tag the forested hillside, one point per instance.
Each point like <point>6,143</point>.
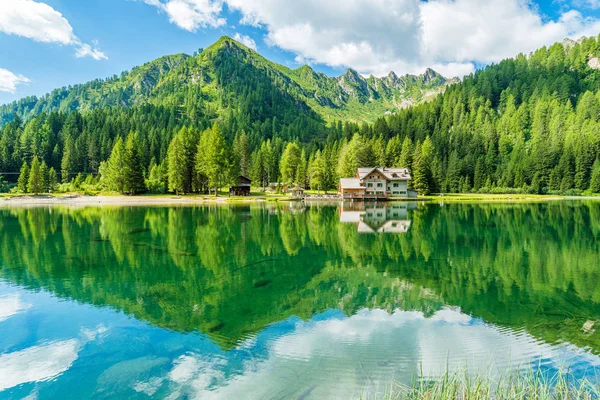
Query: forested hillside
<point>192,124</point>
<point>209,82</point>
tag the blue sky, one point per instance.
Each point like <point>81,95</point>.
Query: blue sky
<point>46,44</point>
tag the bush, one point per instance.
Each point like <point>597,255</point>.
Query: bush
<point>4,185</point>
<point>573,192</point>
<point>501,190</point>
<point>156,186</point>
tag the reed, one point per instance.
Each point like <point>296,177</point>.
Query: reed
<point>517,385</point>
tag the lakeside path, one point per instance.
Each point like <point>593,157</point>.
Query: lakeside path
<point>102,200</point>
<point>173,200</point>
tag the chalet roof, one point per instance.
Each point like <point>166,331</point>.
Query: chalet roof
<point>362,172</point>
<point>350,183</point>
<point>350,216</point>
<point>391,174</point>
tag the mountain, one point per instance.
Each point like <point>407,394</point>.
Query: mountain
<point>182,80</point>
<point>529,124</point>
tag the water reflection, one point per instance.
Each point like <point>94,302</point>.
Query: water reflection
<point>291,301</point>
<point>377,218</point>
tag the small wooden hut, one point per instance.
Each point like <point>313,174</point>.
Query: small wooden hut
<point>242,188</point>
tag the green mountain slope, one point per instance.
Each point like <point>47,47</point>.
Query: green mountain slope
<point>527,124</point>
<point>129,89</point>
<point>200,84</point>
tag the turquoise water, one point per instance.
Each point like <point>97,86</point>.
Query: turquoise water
<point>286,301</point>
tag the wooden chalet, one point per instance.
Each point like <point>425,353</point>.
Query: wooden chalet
<point>242,188</point>
<point>377,184</point>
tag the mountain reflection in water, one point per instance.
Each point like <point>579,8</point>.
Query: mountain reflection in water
<point>291,301</point>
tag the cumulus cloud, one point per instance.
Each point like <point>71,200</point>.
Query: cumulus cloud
<point>11,304</point>
<point>85,50</point>
<point>45,361</point>
<point>363,34</point>
<point>42,23</point>
<point>191,14</point>
<point>8,83</point>
<point>407,36</point>
<point>375,37</point>
<point>587,3</point>
<point>467,30</point>
<point>376,347</point>
<point>37,363</point>
<point>245,40</point>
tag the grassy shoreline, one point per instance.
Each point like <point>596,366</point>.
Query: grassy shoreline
<point>108,198</point>
<point>533,384</point>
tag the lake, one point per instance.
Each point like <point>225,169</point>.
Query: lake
<point>286,301</point>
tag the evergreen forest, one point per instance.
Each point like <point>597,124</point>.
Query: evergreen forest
<point>193,124</point>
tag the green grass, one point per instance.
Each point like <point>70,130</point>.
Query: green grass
<point>462,386</point>
<point>257,194</point>
<point>460,197</point>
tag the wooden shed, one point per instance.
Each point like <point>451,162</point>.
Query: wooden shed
<point>242,188</point>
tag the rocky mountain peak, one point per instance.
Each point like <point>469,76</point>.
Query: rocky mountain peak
<point>430,76</point>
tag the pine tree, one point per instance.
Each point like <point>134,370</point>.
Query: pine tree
<point>45,177</point>
<point>35,183</point>
<point>241,150</point>
<point>317,172</point>
<point>355,154</point>
<point>422,176</point>
<point>452,174</point>
<point>52,180</point>
<point>583,168</point>
<point>113,173</point>
<point>212,158</point>
<point>23,178</point>
<point>406,155</point>
<point>301,173</point>
<point>331,179</point>
<point>258,172</point>
<point>68,160</point>
<point>595,180</point>
<point>177,165</point>
<point>290,160</point>
<point>133,175</point>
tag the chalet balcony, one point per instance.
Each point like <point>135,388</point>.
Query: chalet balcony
<point>368,196</point>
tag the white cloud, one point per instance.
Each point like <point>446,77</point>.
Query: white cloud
<point>406,36</point>
<point>85,50</point>
<point>587,3</point>
<point>37,363</point>
<point>42,23</point>
<point>8,83</point>
<point>45,361</point>
<point>245,40</point>
<point>365,352</point>
<point>467,30</point>
<point>11,304</point>
<point>376,36</point>
<point>362,33</point>
<point>192,14</point>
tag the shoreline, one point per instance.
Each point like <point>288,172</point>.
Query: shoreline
<point>104,200</point>
<point>174,200</point>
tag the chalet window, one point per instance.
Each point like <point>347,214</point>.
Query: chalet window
<point>370,185</point>
<point>380,185</point>
<point>395,185</point>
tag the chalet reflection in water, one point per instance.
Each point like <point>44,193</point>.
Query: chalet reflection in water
<point>377,218</point>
